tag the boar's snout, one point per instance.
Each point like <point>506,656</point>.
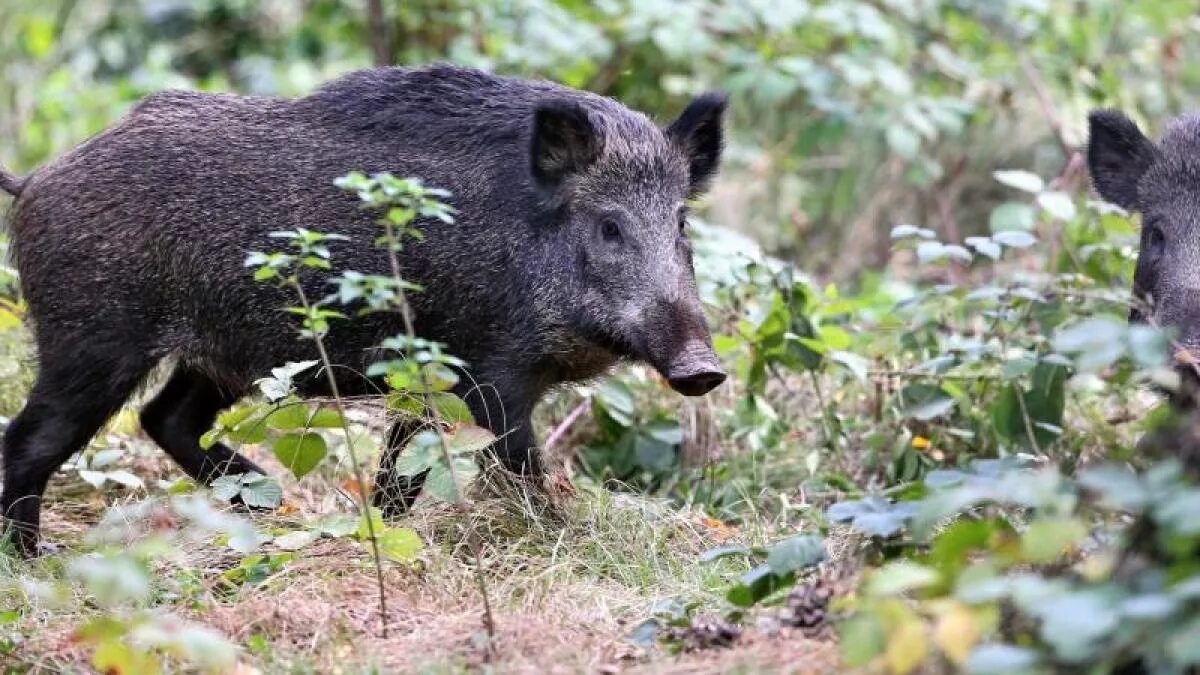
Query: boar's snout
<point>695,377</point>
<point>680,348</point>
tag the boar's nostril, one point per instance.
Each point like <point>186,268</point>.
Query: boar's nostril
<point>698,383</point>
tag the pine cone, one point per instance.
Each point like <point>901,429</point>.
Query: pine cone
<point>704,633</point>
<point>807,605</point>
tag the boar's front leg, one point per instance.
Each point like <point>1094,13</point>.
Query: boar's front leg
<point>507,417</point>
<point>181,413</point>
<point>394,494</point>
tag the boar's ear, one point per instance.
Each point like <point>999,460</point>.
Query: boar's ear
<point>698,134</point>
<point>1118,155</point>
<point>564,141</point>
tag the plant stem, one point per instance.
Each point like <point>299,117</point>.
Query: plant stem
<point>355,465</point>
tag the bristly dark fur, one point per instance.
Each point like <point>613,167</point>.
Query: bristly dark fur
<point>1162,182</point>
<point>131,250</point>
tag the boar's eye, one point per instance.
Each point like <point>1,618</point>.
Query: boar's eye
<point>610,230</point>
<point>1155,243</point>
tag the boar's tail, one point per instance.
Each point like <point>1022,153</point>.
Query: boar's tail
<point>11,183</point>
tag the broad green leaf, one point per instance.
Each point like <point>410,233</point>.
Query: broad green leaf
<point>1047,539</point>
<point>756,585</point>
<point>261,492</point>
<point>862,639</point>
<point>292,415</point>
<point>727,551</point>
<point>899,577</point>
<point>468,440</point>
<point>452,409</point>
<point>925,401</point>
<point>1012,217</point>
<point>1001,659</point>
<point>1014,239</point>
<point>400,544</point>
<point>795,553</point>
<point>294,541</point>
<point>1057,204</point>
<point>1025,181</point>
<point>300,453</point>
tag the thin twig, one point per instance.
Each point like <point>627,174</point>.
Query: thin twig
<point>355,465</point>
<point>561,430</point>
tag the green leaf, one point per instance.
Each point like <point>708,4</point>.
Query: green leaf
<point>756,585</point>
<point>301,452</point>
<point>1001,659</point>
<point>1025,181</point>
<point>400,544</point>
<point>325,418</point>
<point>903,140</point>
<point>795,553</point>
<point>261,492</point>
<point>468,440</point>
<point>1046,539</point>
<point>439,483</point>
<point>225,488</point>
<point>1014,239</point>
<point>1012,217</point>
<point>899,577</point>
<point>452,409</point>
<point>294,541</point>
<point>925,401</point>
<point>292,415</point>
<point>862,639</point>
<point>1057,204</point>
<point>727,551</point>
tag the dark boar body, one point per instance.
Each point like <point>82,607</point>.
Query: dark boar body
<point>569,252</point>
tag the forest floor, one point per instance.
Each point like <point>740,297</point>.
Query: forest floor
<point>567,585</point>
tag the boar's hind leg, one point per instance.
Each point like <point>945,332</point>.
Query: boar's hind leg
<point>71,400</point>
<point>394,494</point>
<point>181,413</point>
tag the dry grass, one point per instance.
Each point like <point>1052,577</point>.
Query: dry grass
<point>568,580</point>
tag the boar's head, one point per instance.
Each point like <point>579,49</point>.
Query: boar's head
<point>1162,182</point>
<point>616,188</point>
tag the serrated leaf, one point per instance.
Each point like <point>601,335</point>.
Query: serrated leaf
<point>262,492</point>
<point>225,488</point>
<point>452,409</point>
<point>469,439</point>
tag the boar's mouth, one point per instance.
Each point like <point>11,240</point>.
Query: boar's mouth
<point>690,368</point>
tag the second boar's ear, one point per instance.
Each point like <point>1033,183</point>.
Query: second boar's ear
<point>698,133</point>
<point>564,141</point>
<point>1118,156</point>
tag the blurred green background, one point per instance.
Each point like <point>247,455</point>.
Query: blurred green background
<point>849,116</point>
